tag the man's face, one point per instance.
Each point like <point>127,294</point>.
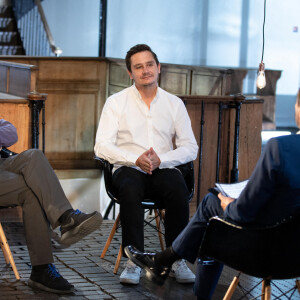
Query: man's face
<point>144,70</point>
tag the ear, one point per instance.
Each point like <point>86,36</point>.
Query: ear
<point>158,68</point>
<point>130,74</point>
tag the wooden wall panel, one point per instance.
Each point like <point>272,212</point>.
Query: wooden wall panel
<point>206,82</point>
<point>19,115</point>
<point>19,82</point>
<point>175,80</point>
<point>77,89</point>
<point>249,141</point>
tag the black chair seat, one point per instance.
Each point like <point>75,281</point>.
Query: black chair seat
<point>271,252</point>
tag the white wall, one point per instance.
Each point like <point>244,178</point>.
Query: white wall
<point>175,30</point>
<point>74,25</point>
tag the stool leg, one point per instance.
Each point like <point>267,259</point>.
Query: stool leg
<point>298,285</point>
<point>8,255</point>
<point>111,235</point>
<point>119,257</point>
<point>159,230</point>
<point>232,287</point>
<point>4,252</point>
<point>267,289</point>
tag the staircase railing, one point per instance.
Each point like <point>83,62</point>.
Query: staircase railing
<point>34,29</point>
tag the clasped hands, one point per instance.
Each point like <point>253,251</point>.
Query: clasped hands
<point>148,161</point>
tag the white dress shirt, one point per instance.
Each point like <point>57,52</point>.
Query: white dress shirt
<point>128,128</point>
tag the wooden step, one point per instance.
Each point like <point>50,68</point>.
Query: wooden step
<point>8,38</point>
<point>11,50</point>
<point>6,12</point>
<point>7,24</point>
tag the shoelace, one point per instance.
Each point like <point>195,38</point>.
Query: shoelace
<point>131,267</point>
<point>76,212</point>
<point>180,266</point>
<point>52,271</point>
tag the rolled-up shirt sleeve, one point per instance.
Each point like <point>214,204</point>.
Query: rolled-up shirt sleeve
<point>8,134</point>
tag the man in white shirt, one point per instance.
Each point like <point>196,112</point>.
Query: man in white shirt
<point>135,133</point>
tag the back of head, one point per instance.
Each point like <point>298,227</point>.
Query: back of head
<point>136,49</point>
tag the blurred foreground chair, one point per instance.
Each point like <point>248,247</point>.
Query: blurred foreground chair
<point>7,213</point>
<point>149,204</point>
<point>269,253</point>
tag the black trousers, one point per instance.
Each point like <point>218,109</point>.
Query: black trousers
<point>164,185</point>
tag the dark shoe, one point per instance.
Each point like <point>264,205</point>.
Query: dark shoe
<point>50,280</point>
<point>146,260</point>
<point>79,225</point>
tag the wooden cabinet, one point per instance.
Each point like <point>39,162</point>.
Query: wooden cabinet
<point>227,150</point>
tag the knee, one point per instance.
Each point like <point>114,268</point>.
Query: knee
<point>33,154</point>
<point>211,206</point>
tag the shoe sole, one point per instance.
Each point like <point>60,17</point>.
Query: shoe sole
<point>85,228</point>
<point>37,285</point>
<point>148,273</point>
<point>129,281</point>
<point>190,280</point>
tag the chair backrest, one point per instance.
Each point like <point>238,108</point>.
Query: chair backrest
<point>187,171</point>
<point>261,252</point>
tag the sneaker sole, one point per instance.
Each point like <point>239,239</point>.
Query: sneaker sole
<point>37,285</point>
<point>149,273</point>
<point>129,281</point>
<point>186,280</point>
<point>85,228</point>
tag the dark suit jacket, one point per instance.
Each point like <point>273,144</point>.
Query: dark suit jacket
<point>273,191</point>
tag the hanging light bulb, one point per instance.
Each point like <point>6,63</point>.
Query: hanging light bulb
<point>261,78</point>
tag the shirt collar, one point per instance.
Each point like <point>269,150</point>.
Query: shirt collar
<point>137,93</point>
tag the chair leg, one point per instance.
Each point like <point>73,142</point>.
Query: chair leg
<point>111,235</point>
<point>4,252</point>
<point>119,257</point>
<point>7,253</point>
<point>161,240</point>
<point>232,287</point>
<point>298,285</point>
<point>266,289</point>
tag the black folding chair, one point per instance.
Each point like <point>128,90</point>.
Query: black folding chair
<point>269,253</point>
<point>148,204</point>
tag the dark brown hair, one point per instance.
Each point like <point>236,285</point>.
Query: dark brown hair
<point>136,49</point>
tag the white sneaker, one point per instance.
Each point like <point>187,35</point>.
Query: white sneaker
<point>181,272</point>
<point>131,273</point>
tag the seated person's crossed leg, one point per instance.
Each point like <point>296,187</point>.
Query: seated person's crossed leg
<point>28,180</point>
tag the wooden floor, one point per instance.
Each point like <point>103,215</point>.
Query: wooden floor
<point>93,277</point>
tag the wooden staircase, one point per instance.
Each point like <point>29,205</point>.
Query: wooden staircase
<point>10,41</point>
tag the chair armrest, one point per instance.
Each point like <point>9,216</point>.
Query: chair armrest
<point>6,152</point>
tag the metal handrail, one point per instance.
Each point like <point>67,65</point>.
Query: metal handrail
<point>56,50</point>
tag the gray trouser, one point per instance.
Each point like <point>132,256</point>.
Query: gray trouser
<point>28,180</point>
